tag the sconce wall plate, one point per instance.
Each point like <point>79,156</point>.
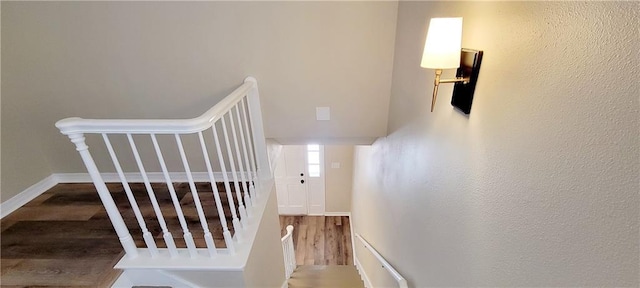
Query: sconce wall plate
<point>470,61</point>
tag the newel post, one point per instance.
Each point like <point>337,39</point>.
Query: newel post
<point>260,144</point>
<point>112,211</point>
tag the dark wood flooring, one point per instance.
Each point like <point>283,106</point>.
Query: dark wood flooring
<point>320,240</point>
<point>61,238</point>
<point>64,237</point>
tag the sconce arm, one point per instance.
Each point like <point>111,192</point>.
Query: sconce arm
<point>464,80</point>
<point>437,81</point>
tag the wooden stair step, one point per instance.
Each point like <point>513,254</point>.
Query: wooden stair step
<point>325,276</point>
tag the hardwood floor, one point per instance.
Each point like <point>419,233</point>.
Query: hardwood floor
<point>59,239</point>
<point>64,237</point>
<point>320,240</point>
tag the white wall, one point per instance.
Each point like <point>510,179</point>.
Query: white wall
<point>176,59</point>
<point>539,185</point>
<point>265,267</point>
<point>338,180</point>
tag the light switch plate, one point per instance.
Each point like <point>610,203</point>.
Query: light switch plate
<point>335,165</point>
<point>323,113</point>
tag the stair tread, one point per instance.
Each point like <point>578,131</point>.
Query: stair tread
<point>325,276</point>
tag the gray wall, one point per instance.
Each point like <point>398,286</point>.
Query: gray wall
<point>539,185</point>
<point>338,180</point>
<point>176,59</point>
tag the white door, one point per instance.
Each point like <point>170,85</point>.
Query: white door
<point>299,178</point>
<point>291,181</point>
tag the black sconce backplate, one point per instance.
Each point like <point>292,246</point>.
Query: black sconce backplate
<point>470,61</point>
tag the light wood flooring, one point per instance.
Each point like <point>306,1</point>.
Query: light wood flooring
<point>320,240</point>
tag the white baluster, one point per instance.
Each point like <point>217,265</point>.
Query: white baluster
<point>166,235</point>
<point>112,210</point>
<point>247,198</point>
<point>254,170</point>
<point>188,238</point>
<point>234,173</point>
<point>146,235</point>
<point>211,246</point>
<point>292,253</point>
<point>289,253</point>
<point>216,195</point>
<point>237,227</point>
<point>249,192</point>
<point>285,248</point>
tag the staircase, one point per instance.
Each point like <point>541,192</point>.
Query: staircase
<point>192,198</point>
<point>330,276</point>
<point>325,276</point>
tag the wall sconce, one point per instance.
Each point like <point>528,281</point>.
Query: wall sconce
<point>442,50</point>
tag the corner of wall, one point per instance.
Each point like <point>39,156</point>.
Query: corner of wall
<point>265,265</point>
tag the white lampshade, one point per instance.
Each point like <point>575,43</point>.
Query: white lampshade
<point>444,41</point>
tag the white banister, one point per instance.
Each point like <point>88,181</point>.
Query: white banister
<point>188,238</point>
<point>112,210</point>
<point>211,246</point>
<point>146,235</point>
<point>245,190</point>
<point>402,283</point>
<point>216,196</point>
<point>157,126</point>
<point>166,234</point>
<point>234,174</point>
<point>253,174</point>
<point>244,160</point>
<point>237,227</point>
<point>289,252</point>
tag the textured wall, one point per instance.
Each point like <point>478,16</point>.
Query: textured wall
<point>539,185</point>
<point>176,59</point>
<point>338,180</point>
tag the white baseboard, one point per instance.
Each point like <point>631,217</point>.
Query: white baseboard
<point>27,195</point>
<point>363,274</point>
<point>338,214</point>
<point>149,277</point>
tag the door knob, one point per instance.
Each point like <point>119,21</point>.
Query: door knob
<point>301,181</point>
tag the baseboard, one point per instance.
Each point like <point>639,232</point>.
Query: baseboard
<point>285,284</point>
<point>150,278</point>
<point>353,238</point>
<point>363,274</point>
<point>153,177</point>
<point>27,195</point>
<point>338,214</point>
